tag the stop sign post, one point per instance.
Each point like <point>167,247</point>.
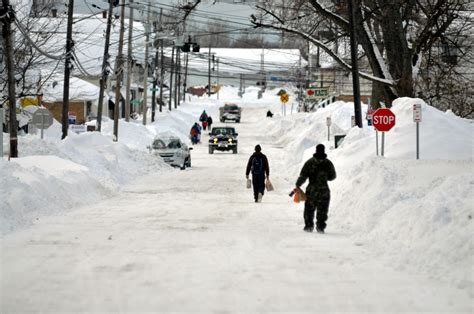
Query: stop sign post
<point>383,121</point>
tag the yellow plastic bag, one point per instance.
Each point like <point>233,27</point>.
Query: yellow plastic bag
<point>299,196</point>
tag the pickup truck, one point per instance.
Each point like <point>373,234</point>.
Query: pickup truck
<point>230,112</point>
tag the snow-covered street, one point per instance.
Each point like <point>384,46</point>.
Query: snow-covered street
<point>194,241</point>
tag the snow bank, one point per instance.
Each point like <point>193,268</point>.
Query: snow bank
<point>53,176</point>
<point>415,214</point>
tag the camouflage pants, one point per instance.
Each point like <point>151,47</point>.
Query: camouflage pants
<point>321,207</point>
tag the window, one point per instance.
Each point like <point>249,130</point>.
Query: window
<point>158,144</point>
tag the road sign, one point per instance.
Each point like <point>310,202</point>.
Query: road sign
<point>71,117</point>
<point>417,113</point>
<point>78,128</point>
<point>383,119</point>
<point>328,121</point>
<point>284,98</point>
<point>42,118</point>
<point>317,92</point>
<point>136,102</point>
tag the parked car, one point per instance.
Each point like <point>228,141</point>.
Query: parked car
<point>172,150</point>
<point>223,139</point>
<point>230,112</point>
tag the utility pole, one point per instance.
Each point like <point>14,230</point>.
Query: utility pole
<point>155,79</point>
<point>67,69</point>
<point>6,20</point>
<point>119,70</point>
<point>145,81</point>
<point>171,77</point>
<point>185,75</point>
<point>178,78</point>
<point>162,74</point>
<point>105,62</point>
<point>218,88</point>
<point>355,68</point>
<point>209,74</point>
<point>129,64</point>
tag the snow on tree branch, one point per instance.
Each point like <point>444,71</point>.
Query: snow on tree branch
<point>319,43</point>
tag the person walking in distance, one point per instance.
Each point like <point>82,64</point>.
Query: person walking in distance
<point>209,122</point>
<point>203,119</point>
<point>319,170</point>
<point>258,165</point>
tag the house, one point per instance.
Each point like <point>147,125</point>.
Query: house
<point>83,99</point>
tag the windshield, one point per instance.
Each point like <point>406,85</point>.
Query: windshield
<point>231,107</point>
<point>166,143</point>
<point>222,131</point>
<point>173,144</point>
<point>158,144</point>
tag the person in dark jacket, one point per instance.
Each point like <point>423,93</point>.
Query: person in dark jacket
<point>203,119</point>
<point>209,122</point>
<point>319,170</point>
<point>258,165</point>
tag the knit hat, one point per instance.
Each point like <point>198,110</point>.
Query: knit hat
<point>258,148</point>
<point>320,154</point>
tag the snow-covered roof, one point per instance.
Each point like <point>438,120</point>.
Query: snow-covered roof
<point>78,90</point>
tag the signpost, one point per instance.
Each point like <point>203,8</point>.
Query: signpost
<point>417,120</point>
<point>328,123</point>
<point>42,119</point>
<point>383,121</point>
<point>284,98</point>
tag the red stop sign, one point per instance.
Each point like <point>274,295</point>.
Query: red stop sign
<point>383,119</point>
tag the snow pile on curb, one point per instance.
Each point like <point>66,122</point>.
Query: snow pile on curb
<point>53,176</point>
<point>416,215</point>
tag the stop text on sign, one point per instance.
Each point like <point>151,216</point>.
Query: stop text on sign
<point>383,119</point>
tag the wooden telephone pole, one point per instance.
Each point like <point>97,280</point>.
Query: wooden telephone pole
<point>129,64</point>
<point>119,70</point>
<point>105,62</point>
<point>67,70</point>
<point>6,20</point>
<point>145,79</point>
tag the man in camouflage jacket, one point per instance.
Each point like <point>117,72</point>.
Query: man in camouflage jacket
<point>319,170</point>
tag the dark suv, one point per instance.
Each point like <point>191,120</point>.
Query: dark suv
<point>223,139</point>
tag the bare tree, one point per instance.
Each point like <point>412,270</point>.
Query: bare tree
<point>35,43</point>
<point>394,34</point>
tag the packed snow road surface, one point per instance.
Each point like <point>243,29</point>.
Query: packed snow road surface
<point>194,241</point>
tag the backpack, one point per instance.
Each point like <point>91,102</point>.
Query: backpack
<point>258,165</point>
